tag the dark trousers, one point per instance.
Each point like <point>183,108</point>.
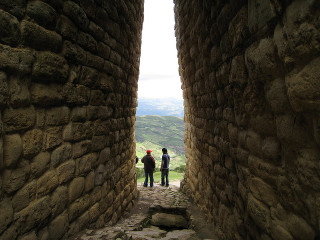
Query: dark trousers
<point>150,174</point>
<point>165,175</point>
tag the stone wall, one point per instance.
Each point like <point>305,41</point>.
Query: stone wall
<point>251,85</point>
<point>68,94</point>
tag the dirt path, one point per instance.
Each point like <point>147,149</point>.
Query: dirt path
<point>159,213</point>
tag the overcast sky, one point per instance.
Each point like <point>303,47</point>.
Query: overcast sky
<point>159,77</point>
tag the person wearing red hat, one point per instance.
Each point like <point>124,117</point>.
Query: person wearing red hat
<point>149,165</point>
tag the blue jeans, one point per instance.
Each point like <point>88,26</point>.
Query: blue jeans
<point>165,174</point>
<point>146,180</point>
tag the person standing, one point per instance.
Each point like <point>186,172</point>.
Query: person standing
<point>165,167</point>
<point>149,165</point>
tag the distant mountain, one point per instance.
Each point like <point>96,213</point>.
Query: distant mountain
<point>160,132</point>
<point>160,107</point>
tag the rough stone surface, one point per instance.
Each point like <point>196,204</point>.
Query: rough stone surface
<point>257,61</point>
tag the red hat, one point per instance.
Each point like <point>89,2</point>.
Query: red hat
<point>149,151</point>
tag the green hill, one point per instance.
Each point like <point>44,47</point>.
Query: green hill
<point>157,132</point>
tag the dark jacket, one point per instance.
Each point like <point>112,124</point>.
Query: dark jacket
<point>165,161</point>
<point>149,163</point>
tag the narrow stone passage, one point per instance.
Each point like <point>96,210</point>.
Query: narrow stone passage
<point>159,213</point>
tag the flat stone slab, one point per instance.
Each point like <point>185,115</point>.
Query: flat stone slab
<point>169,220</point>
<point>185,234</point>
<point>146,234</point>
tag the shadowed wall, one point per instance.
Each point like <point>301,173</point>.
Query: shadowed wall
<point>68,89</point>
<point>250,75</point>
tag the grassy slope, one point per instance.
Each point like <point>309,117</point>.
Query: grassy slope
<point>156,132</point>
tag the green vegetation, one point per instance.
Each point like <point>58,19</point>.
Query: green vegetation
<point>155,133</point>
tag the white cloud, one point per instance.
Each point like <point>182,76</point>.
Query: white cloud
<point>159,76</point>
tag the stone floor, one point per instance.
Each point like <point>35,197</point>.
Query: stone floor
<point>154,205</point>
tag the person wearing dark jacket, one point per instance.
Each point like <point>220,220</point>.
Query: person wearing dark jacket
<point>165,167</point>
<point>149,165</point>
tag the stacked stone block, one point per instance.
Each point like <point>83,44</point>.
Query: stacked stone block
<point>68,94</point>
<point>250,77</point>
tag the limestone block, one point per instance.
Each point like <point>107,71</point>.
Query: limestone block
<point>104,112</point>
<point>278,232</point>
<point>46,94</point>
<point>264,124</point>
<point>52,137</point>
<point>14,179</point>
<point>254,143</point>
<point>98,143</point>
<point>271,148</point>
<point>84,220</point>
<point>61,154</point>
<point>263,192</point>
<point>97,98</point>
<point>102,127</point>
<point>11,232</point>
<point>302,35</point>
<point>76,94</point>
<point>276,94</point>
<point>19,92</point>
<point>42,13</point>
<point>304,88</point>
<point>87,42</point>
<point>268,172</point>
<point>40,163</point>
<point>40,38</point>
<point>260,14</point>
<point>238,71</point>
<point>299,228</point>
<point>76,188</point>
<point>95,195</point>
<point>47,183</point>
<point>16,8</point>
<point>100,174</point>
<point>238,28</point>
<point>19,60</point>
<point>76,14</point>
<point>259,213</point>
<point>78,207</point>
<point>58,227</point>
<point>32,143</point>
<point>6,216</point>
<point>307,167</point>
<point>73,52</point>
<point>78,114</point>
<point>94,213</point>
<point>103,50</point>
<point>66,171</point>
<point>24,196</point>
<point>260,60</point>
<point>18,119</point>
<point>4,91</point>
<point>10,33</point>
<point>12,149</point>
<point>77,131</point>
<point>89,182</point>
<point>50,67</point>
<point>30,236</point>
<point>67,28</point>
<point>43,234</point>
<point>57,116</point>
<point>84,164</point>
<point>106,82</point>
<point>34,215</point>
<point>81,148</point>
<point>291,130</point>
<point>316,128</point>
<point>59,200</point>
<point>96,31</point>
<point>88,76</point>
